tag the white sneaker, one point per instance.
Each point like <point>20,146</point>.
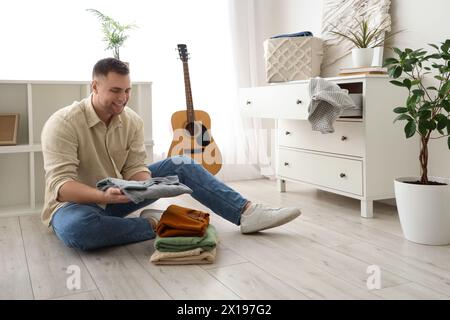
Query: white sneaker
<point>152,215</point>
<point>259,217</point>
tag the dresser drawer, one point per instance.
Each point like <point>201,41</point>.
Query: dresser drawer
<point>288,101</point>
<point>347,139</point>
<point>322,170</point>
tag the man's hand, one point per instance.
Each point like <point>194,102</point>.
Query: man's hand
<point>115,195</point>
<point>74,191</point>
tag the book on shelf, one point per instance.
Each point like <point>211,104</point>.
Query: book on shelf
<point>362,71</point>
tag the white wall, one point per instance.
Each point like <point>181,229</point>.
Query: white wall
<point>274,17</point>
<point>423,21</point>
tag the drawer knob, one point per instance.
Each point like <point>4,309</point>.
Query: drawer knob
<point>288,133</point>
<point>342,175</point>
<point>299,101</point>
<point>343,138</point>
<point>248,102</point>
<point>286,164</point>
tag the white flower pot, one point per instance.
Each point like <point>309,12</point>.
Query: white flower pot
<point>377,60</point>
<point>424,210</point>
<point>362,57</point>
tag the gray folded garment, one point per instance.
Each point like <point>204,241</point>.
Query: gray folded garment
<point>153,188</point>
<point>328,101</point>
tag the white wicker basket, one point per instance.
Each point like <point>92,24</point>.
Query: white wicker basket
<point>293,58</point>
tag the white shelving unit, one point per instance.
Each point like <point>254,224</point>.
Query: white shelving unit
<point>21,166</point>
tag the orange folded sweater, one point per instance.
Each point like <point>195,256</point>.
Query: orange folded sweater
<point>178,221</point>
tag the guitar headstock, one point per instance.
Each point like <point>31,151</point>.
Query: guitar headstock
<point>182,50</point>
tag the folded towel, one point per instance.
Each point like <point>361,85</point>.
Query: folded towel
<point>176,244</point>
<point>153,188</point>
<point>328,101</point>
<point>179,221</point>
<point>194,256</point>
<point>291,35</point>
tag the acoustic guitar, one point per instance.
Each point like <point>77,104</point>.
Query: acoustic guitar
<point>192,128</point>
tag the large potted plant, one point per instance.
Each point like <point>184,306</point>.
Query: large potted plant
<point>365,38</point>
<point>113,31</point>
<point>423,202</point>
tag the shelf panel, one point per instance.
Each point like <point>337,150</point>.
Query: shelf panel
<point>14,173</point>
<point>13,99</point>
<point>19,210</point>
<point>39,178</point>
<point>20,148</point>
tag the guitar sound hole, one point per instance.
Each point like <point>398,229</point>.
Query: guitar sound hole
<point>198,131</point>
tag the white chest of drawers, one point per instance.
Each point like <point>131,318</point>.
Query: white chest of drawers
<point>359,160</point>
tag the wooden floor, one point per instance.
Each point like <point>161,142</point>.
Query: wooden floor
<point>324,254</point>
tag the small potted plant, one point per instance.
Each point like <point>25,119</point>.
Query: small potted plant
<point>365,38</point>
<point>113,31</point>
<point>423,202</point>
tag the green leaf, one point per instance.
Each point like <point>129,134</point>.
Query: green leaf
<point>425,106</point>
<point>424,114</point>
<point>397,51</point>
<point>434,46</point>
<point>389,61</point>
<point>421,53</point>
<point>414,82</point>
<point>433,56</point>
<point>412,101</point>
<point>445,89</point>
<point>408,67</point>
<point>412,61</point>
<point>441,121</point>
<point>422,127</point>
<point>403,117</point>
<point>407,83</point>
<point>400,110</point>
<point>398,71</point>
<point>448,142</point>
<point>410,129</point>
<point>391,70</point>
<point>446,105</point>
<point>397,83</point>
<point>418,92</point>
<point>431,125</point>
<point>432,88</point>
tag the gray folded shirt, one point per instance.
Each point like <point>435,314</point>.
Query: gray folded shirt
<point>328,101</point>
<point>153,188</point>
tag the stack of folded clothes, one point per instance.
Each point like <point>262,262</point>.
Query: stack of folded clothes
<point>184,236</point>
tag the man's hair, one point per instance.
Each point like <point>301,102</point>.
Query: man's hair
<point>104,66</point>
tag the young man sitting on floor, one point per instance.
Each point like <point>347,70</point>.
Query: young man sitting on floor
<point>100,137</point>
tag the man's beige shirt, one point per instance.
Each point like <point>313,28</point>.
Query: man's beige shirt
<point>77,146</point>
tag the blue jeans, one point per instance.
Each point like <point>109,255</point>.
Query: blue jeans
<point>88,226</point>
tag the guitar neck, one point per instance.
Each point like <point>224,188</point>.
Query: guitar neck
<point>187,88</point>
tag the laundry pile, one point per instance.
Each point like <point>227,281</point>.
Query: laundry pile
<point>184,236</point>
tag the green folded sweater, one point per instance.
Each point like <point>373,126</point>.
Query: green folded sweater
<point>175,244</point>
